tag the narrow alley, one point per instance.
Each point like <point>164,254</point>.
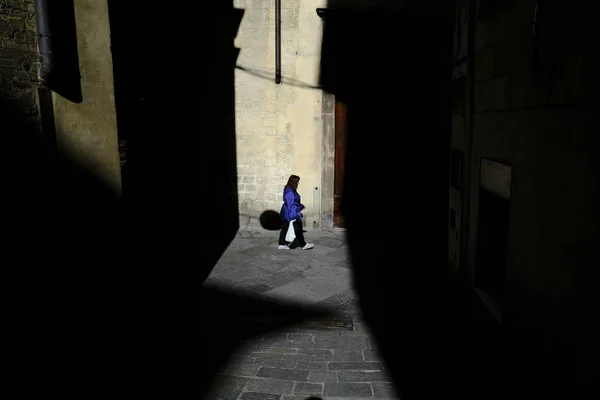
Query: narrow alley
<point>332,358</point>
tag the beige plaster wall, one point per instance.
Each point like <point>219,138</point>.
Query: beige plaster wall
<point>278,126</point>
<point>87,132</point>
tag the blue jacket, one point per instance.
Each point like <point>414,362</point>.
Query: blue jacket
<point>291,205</point>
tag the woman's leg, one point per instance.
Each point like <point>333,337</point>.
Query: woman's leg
<point>299,234</point>
<point>284,228</point>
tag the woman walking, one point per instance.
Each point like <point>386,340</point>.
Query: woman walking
<point>291,211</point>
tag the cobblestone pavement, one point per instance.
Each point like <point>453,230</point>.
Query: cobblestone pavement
<point>334,360</point>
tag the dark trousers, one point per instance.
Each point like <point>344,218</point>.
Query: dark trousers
<point>297,229</point>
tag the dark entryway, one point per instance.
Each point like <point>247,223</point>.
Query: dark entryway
<point>492,242</point>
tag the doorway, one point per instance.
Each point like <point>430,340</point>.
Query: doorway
<point>341,127</point>
<point>492,234</point>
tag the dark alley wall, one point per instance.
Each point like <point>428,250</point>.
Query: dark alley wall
<point>18,65</point>
<point>174,96</point>
<point>534,99</point>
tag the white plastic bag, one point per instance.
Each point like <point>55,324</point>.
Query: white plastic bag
<point>290,236</point>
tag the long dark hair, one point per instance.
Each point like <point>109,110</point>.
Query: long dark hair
<point>292,182</point>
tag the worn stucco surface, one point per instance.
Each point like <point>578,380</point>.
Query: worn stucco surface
<point>87,132</point>
<point>279,127</point>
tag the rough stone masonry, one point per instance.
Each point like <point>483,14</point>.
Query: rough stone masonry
<point>18,61</point>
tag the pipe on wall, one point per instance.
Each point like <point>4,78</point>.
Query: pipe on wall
<point>44,34</point>
<point>278,41</point>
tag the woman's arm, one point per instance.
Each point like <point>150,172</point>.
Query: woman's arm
<point>293,211</point>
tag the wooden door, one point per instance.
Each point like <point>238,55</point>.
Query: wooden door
<point>340,152</point>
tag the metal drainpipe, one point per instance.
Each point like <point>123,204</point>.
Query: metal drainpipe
<point>278,41</point>
<point>44,39</point>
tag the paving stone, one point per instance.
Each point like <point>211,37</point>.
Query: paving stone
<point>283,373</point>
<point>314,352</point>
<point>275,341</point>
<point>341,357</point>
<point>272,363</point>
<point>238,273</point>
<point>315,366</point>
<point>259,396</point>
<point>383,389</point>
<point>315,389</point>
<point>343,264</point>
<point>260,288</point>
<point>310,290</point>
<point>348,390</point>
<point>256,251</point>
<point>283,350</point>
<point>341,253</point>
<point>328,241</point>
<point>265,264</point>
<point>273,386</point>
<point>300,336</point>
<point>307,343</point>
<point>321,332</point>
<point>350,306</point>
<point>360,376</point>
<point>318,264</point>
<point>220,280</point>
<point>224,394</point>
<point>247,283</point>
<point>323,250</point>
<point>300,357</point>
<point>352,333</point>
<point>231,383</point>
<point>348,343</point>
<point>372,355</point>
<point>282,278</point>
<point>325,258</point>
<point>300,266</point>
<point>265,356</point>
<point>355,366</point>
<point>278,256</point>
<point>324,377</point>
<point>277,364</point>
<point>341,298</point>
<point>242,370</point>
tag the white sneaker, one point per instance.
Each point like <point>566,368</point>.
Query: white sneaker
<point>283,247</point>
<point>308,246</point>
